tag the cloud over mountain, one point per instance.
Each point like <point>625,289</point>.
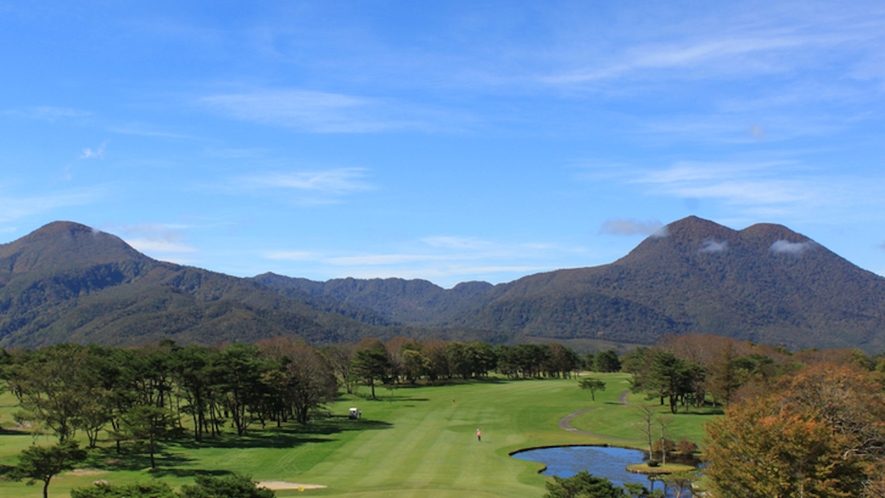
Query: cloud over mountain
<point>630,226</point>
<point>795,248</point>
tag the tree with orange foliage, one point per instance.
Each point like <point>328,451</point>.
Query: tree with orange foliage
<point>818,433</point>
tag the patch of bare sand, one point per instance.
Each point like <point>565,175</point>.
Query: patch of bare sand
<point>86,472</point>
<point>281,485</point>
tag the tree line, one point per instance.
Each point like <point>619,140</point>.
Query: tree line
<point>142,393</point>
<point>402,360</point>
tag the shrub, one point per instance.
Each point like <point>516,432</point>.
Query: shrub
<point>668,445</point>
<point>686,448</point>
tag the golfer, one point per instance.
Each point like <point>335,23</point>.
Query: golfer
<point>479,435</point>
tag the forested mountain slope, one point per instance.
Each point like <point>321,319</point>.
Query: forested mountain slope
<point>767,284</point>
<point>415,302</point>
<point>764,283</point>
<point>69,283</point>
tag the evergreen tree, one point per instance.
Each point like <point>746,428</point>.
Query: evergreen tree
<point>42,463</point>
<point>234,486</point>
<point>371,363</point>
<point>583,485</point>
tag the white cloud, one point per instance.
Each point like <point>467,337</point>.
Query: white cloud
<point>143,130</point>
<point>456,242</point>
<point>320,112</point>
<point>735,183</point>
<point>290,255</point>
<point>154,238</point>
<point>94,154</point>
<point>444,259</point>
<point>719,53</point>
<point>381,259</point>
<point>712,245</point>
<point>622,226</point>
<point>49,113</point>
<point>161,246</point>
<point>336,181</point>
<point>794,248</point>
<point>13,208</point>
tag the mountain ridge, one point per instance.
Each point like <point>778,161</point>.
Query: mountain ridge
<point>764,283</point>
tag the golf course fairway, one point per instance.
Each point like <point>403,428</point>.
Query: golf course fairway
<point>411,442</point>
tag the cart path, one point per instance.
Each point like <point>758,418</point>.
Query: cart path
<point>564,423</point>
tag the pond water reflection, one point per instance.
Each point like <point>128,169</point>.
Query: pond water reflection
<point>601,461</point>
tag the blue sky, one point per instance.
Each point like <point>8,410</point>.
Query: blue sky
<point>450,141</point>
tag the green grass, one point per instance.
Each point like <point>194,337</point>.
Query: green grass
<point>413,442</point>
<point>626,422</point>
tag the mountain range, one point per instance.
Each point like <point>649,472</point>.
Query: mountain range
<point>66,282</point>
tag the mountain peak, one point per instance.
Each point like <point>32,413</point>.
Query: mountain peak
<point>772,232</point>
<point>63,244</point>
<point>692,227</point>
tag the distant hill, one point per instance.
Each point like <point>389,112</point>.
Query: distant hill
<point>67,282</point>
<point>398,301</point>
<point>766,283</point>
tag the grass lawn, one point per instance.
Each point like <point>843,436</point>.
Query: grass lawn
<point>413,442</point>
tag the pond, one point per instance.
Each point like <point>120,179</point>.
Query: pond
<point>601,461</point>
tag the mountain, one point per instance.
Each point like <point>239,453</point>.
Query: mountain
<point>395,300</point>
<point>764,283</point>
<point>66,282</point>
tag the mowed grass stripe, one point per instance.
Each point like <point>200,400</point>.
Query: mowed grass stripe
<point>398,451</point>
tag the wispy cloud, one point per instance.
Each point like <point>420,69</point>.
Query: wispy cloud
<point>153,238</point>
<point>721,52</point>
<point>98,153</point>
<point>470,243</point>
<point>442,258</point>
<point>14,208</point>
<point>336,181</point>
<point>736,42</point>
<point>290,255</point>
<point>145,130</point>
<point>317,112</point>
<point>159,246</point>
<point>382,259</point>
<point>49,113</point>
<point>630,226</point>
<point>754,184</point>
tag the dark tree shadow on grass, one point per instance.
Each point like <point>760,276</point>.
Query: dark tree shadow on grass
<point>168,462</point>
<point>703,411</point>
<point>287,437</point>
<point>12,432</point>
<point>131,458</point>
<point>175,472</point>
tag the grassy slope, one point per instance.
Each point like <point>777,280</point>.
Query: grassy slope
<point>414,442</point>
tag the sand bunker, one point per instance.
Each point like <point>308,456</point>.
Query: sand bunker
<point>281,485</point>
<point>86,472</point>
